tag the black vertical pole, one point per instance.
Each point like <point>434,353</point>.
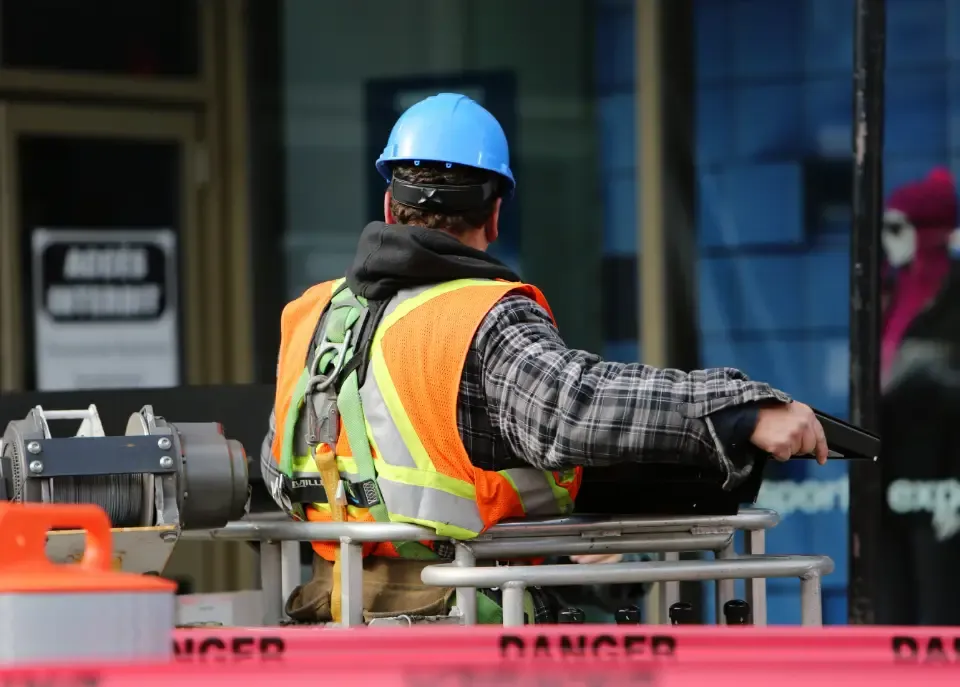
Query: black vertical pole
<point>865,487</point>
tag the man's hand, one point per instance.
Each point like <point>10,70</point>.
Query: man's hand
<point>598,558</point>
<point>789,429</point>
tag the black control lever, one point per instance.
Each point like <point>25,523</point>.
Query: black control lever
<point>845,441</point>
<point>737,612</point>
<point>681,613</point>
<point>571,616</point>
<point>628,616</point>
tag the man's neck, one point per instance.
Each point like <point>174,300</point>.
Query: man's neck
<point>474,239</point>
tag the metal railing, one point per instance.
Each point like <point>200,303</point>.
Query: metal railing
<point>280,559</point>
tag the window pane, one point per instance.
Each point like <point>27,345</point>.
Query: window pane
<point>532,69</point>
<point>772,152</point>
<point>144,38</point>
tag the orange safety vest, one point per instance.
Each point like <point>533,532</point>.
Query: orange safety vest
<point>409,407</point>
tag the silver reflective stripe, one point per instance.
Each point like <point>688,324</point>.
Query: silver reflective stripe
<point>410,501</point>
<point>385,433</point>
<point>384,429</point>
<point>425,503</point>
<point>534,490</point>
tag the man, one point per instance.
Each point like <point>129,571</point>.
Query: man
<point>431,386</point>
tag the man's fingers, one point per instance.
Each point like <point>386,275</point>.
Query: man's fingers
<point>808,442</point>
<point>822,449</point>
<point>796,443</point>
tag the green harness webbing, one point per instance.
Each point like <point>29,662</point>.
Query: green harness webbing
<point>335,350</point>
<point>345,312</point>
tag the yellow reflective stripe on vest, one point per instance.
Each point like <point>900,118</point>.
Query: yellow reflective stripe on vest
<point>384,410</point>
<point>408,305</point>
<point>346,465</point>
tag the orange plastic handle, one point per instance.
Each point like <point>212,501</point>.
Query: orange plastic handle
<point>24,528</point>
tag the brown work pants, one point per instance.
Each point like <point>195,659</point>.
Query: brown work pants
<point>391,587</point>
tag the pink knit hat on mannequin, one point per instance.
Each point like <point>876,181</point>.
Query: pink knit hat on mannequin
<point>917,224</point>
<point>928,203</point>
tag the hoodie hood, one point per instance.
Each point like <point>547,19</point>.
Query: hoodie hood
<point>392,257</point>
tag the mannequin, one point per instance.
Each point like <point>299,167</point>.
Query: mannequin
<point>920,408</point>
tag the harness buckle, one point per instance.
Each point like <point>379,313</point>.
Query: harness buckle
<point>325,380</point>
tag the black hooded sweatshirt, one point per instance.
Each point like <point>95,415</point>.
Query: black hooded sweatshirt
<point>392,257</point>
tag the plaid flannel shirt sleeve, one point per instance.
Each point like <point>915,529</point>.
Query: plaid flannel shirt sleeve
<point>557,407</point>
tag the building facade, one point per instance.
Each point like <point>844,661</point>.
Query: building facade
<point>683,183</point>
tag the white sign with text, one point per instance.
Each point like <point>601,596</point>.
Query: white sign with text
<point>105,308</point>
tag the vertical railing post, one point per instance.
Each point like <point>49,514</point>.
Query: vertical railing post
<point>865,305</point>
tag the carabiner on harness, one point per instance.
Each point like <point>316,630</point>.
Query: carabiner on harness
<point>322,381</point>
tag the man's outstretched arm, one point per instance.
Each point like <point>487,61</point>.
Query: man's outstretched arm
<point>558,407</point>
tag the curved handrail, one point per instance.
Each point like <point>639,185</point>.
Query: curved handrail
<point>656,542</point>
<point>748,519</point>
<point>452,575</point>
<point>273,529</point>
<point>246,530</point>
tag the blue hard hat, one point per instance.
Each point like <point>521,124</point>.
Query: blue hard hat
<point>450,128</point>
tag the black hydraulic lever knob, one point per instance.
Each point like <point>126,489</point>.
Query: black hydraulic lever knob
<point>628,616</point>
<point>681,613</point>
<point>737,612</point>
<point>572,616</point>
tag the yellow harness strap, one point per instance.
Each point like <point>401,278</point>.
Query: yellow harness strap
<point>325,459</point>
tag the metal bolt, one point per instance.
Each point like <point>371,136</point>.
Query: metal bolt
<point>33,447</point>
<point>164,443</point>
<point>166,462</point>
<point>169,536</point>
<point>36,467</point>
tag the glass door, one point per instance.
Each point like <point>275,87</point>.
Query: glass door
<point>99,248</point>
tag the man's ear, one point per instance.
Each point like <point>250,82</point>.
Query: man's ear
<point>387,214</point>
<point>491,229</point>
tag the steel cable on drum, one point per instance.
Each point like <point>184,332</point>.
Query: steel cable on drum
<point>121,496</point>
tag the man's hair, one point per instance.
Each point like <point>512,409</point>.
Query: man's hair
<point>437,173</point>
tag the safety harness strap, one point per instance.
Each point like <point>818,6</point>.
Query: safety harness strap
<point>343,337</point>
<point>351,412</point>
<point>308,488</point>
